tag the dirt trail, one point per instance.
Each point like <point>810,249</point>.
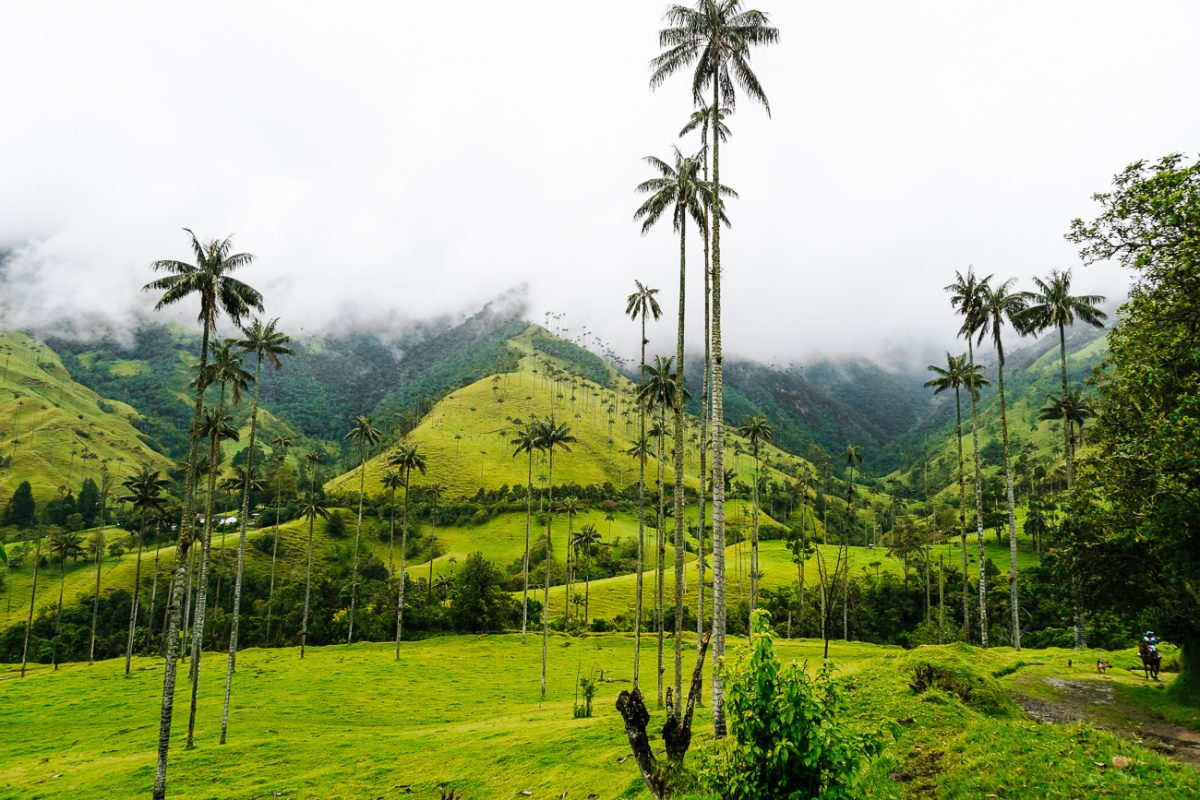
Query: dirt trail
<point>1093,702</point>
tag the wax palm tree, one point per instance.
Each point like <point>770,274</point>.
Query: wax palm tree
<point>586,540</point>
<point>145,492</point>
<point>1002,305</point>
<point>366,437</point>
<point>714,40</point>
<point>97,544</point>
<point>406,458</point>
<point>966,297</point>
<point>279,447</point>
<point>660,389</point>
<point>63,544</point>
<point>1073,410</point>
<point>268,343</point>
<point>211,281</point>
<point>526,442</point>
<point>312,506</point>
<point>37,560</point>
<point>956,375</point>
<point>759,432</point>
<point>550,435</point>
<point>680,191</point>
<point>392,480</point>
<point>433,493</point>
<point>570,507</point>
<point>704,119</point>
<point>638,306</point>
<point>853,458</point>
<point>1053,306</point>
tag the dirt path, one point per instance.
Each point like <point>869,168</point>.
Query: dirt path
<point>1093,702</point>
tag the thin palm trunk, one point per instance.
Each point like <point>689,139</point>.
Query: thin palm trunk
<point>403,564</point>
<point>525,563</point>
<point>754,548</point>
<point>704,415</point>
<point>660,542</point>
<point>241,553</point>
<point>680,445</point>
<point>1012,508</point>
<point>202,590</point>
<point>37,557</point>
<point>983,621</point>
<point>177,583</point>
<point>62,584</point>
<point>546,588</point>
<point>638,600</point>
<point>432,550</point>
<point>1080,623</point>
<point>137,582</point>
<point>962,513</point>
<point>154,581</point>
<point>274,556</point>
<point>312,488</point>
<point>362,477</point>
<point>96,593</point>
<point>718,435</point>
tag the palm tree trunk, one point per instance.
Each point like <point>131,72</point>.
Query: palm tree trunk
<point>137,582</point>
<point>432,550</point>
<point>962,513</point>
<point>660,541</point>
<point>704,415</point>
<point>274,552</point>
<point>154,581</point>
<point>754,549</point>
<point>362,477</point>
<point>403,564</point>
<point>1012,508</point>
<point>1080,623</point>
<point>307,587</point>
<point>983,621</point>
<point>718,434</point>
<point>95,600</point>
<point>546,588</point>
<point>680,446</point>
<point>525,562</point>
<point>177,585</point>
<point>37,557</point>
<point>62,584</point>
<point>638,600</point>
<point>241,553</point>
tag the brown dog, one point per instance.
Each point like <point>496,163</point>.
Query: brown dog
<point>1102,665</point>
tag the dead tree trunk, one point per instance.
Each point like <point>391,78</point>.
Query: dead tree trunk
<point>677,733</point>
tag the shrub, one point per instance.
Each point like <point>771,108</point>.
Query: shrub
<point>791,736</point>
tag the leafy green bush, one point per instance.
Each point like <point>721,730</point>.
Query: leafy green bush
<point>790,733</point>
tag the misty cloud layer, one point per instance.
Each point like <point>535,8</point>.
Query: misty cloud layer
<point>392,162</point>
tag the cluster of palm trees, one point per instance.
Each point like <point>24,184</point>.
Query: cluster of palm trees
<point>711,39</point>
<point>987,306</point>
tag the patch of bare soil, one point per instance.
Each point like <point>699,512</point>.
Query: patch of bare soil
<point>1094,703</point>
<point>919,773</point>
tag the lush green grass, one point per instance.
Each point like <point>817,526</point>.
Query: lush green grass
<point>350,722</point>
<point>57,430</point>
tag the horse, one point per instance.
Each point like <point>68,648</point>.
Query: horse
<point>1150,659</point>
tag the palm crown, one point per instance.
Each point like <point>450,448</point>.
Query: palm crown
<point>1053,305</point>
<point>957,374</point>
<point>210,279</point>
<point>262,339</point>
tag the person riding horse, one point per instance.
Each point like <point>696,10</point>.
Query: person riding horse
<point>1148,651</point>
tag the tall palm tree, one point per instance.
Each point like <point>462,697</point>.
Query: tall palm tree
<point>586,540</point>
<point>392,480</point>
<point>660,389</point>
<point>966,297</point>
<point>37,560</point>
<point>366,437</point>
<point>433,493</point>
<point>853,457</point>
<point>265,342</point>
<point>679,190</point>
<point>956,375</point>
<point>1053,306</point>
<point>570,506</point>
<point>704,118</point>
<point>550,435</point>
<point>145,490</point>
<point>312,506</point>
<point>639,305</point>
<point>406,458</point>
<point>1002,305</point>
<point>759,432</point>
<point>714,38</point>
<point>218,291</point>
<point>526,442</point>
<point>279,447</point>
<point>1073,410</point>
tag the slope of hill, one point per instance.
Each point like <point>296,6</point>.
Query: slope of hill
<point>54,431</point>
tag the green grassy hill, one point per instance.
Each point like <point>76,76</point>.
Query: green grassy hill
<point>57,431</point>
<point>352,722</point>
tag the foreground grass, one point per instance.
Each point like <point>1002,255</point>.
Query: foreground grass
<point>465,712</point>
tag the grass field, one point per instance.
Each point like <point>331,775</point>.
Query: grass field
<point>465,712</point>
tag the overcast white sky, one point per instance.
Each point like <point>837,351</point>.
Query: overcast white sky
<point>387,161</point>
